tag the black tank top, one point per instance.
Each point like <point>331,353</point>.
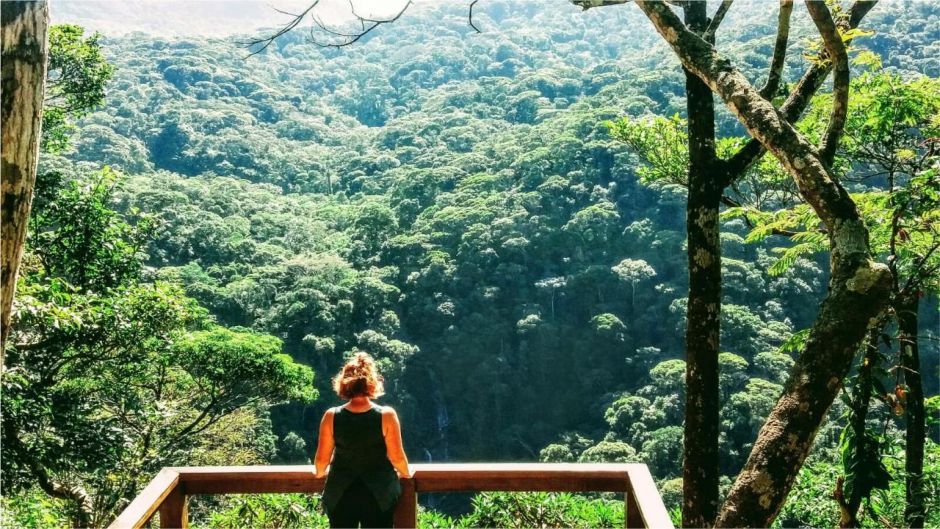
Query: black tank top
<point>359,453</point>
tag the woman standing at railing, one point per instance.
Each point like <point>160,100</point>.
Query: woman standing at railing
<point>363,440</point>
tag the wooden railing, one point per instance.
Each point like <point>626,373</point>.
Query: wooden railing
<point>170,490</point>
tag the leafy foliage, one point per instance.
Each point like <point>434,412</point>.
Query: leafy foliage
<point>76,80</point>
<point>111,377</point>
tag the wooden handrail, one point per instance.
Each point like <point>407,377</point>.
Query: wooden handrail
<point>139,511</point>
<point>170,489</point>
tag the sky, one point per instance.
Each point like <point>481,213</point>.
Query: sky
<point>213,18</point>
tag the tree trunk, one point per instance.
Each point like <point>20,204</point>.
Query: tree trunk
<point>24,52</point>
<point>858,287</point>
<point>700,470</point>
<point>848,507</point>
<point>906,310</point>
<point>80,502</point>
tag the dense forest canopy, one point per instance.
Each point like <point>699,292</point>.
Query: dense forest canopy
<point>474,210</point>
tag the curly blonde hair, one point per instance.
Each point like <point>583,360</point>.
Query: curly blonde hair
<point>359,377</point>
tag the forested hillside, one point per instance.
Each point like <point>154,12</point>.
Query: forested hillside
<point>456,205</point>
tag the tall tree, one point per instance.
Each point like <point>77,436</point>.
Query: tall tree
<point>892,132</point>
<point>890,138</point>
<point>708,178</point>
<point>858,287</point>
<point>24,52</point>
<point>109,377</point>
<point>861,457</point>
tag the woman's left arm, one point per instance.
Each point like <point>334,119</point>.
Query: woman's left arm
<point>325,444</point>
<point>391,428</point>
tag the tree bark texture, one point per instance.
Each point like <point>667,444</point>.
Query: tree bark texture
<point>849,506</point>
<point>858,287</point>
<point>906,310</point>
<point>24,54</point>
<point>700,469</point>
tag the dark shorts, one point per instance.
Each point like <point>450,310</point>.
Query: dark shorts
<point>358,508</point>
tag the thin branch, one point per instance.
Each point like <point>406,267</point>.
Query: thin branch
<point>588,4</point>
<point>730,202</point>
<point>336,33</point>
<point>352,38</point>
<point>192,425</point>
<point>367,25</point>
<point>797,101</point>
<point>288,13</point>
<point>915,277</point>
<point>840,78</point>
<point>266,41</point>
<point>362,19</point>
<point>470,16</point>
<point>772,86</point>
<point>709,35</point>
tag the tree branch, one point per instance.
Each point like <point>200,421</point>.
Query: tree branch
<point>83,502</point>
<point>266,41</point>
<point>588,4</point>
<point>709,34</point>
<point>797,101</point>
<point>470,16</point>
<point>772,86</point>
<point>835,48</point>
<point>917,274</point>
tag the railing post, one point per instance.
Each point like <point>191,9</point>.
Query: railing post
<point>632,519</point>
<point>406,513</point>
<point>174,511</point>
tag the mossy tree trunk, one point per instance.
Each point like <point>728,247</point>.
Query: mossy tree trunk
<point>700,469</point>
<point>906,309</point>
<point>24,53</point>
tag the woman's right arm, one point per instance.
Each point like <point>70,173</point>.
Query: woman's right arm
<point>393,444</point>
<point>325,445</point>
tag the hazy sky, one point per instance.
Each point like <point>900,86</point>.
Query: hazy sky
<point>205,17</point>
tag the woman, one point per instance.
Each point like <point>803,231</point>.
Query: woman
<point>364,441</point>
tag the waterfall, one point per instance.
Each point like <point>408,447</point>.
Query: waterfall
<point>443,420</point>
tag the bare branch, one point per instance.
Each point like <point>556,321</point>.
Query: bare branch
<point>287,28</point>
<point>470,16</point>
<point>352,9</point>
<point>840,78</point>
<point>367,25</point>
<point>709,35</point>
<point>588,4</point>
<point>772,86</point>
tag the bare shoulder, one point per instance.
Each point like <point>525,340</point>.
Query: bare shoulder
<point>328,416</point>
<point>389,413</point>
